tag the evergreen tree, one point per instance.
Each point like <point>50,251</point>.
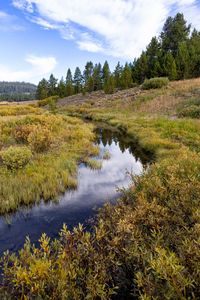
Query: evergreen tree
<point>90,84</point>
<point>97,77</point>
<point>153,54</point>
<point>52,84</point>
<point>183,61</point>
<point>106,73</point>
<point>169,66</point>
<point>109,86</point>
<point>118,74</point>
<point>88,72</point>
<point>126,77</point>
<point>69,83</point>
<point>78,80</point>
<point>194,53</point>
<point>69,76</point>
<point>141,68</point>
<point>175,31</point>
<point>42,89</point>
<point>61,88</point>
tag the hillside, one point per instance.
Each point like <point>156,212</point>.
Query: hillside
<point>169,101</point>
<point>17,91</point>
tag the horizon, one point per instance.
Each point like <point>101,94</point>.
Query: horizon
<point>52,36</point>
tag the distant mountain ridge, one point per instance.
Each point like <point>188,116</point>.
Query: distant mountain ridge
<point>17,91</point>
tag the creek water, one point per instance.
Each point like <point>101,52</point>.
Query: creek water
<point>95,188</point>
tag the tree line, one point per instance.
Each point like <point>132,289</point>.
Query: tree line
<point>17,91</point>
<point>175,54</point>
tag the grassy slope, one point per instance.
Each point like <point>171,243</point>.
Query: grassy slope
<point>152,117</point>
<point>146,245</point>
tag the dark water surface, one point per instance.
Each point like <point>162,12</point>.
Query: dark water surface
<point>94,189</point>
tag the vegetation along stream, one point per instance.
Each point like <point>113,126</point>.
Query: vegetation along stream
<point>95,187</point>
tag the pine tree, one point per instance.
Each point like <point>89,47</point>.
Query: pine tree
<point>109,86</point>
<point>69,83</point>
<point>78,81</point>
<point>69,76</point>
<point>61,88</point>
<point>153,54</point>
<point>194,53</point>
<point>126,77</point>
<point>88,72</point>
<point>175,31</point>
<point>97,77</point>
<point>90,84</point>
<point>52,83</point>
<point>141,68</point>
<point>106,73</point>
<point>169,66</point>
<point>183,61</point>
<point>42,89</point>
<point>118,74</point>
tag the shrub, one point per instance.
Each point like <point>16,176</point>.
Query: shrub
<point>16,157</point>
<point>21,132</point>
<point>67,269</point>
<point>48,101</point>
<point>40,139</point>
<point>192,111</point>
<point>155,83</point>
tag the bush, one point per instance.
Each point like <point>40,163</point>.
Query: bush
<point>48,101</point>
<point>40,139</point>
<point>155,83</point>
<point>71,268</point>
<point>16,157</point>
<point>21,132</point>
<point>192,111</point>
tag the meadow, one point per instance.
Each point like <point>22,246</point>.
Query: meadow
<point>39,154</point>
<point>147,245</point>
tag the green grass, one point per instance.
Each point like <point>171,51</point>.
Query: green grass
<point>93,164</point>
<point>53,165</point>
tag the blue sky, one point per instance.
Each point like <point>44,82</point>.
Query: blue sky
<point>39,37</point>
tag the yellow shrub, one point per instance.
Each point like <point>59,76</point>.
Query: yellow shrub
<point>16,157</point>
<point>22,132</point>
<point>40,139</point>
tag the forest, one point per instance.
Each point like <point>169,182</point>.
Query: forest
<point>17,91</point>
<point>174,54</point>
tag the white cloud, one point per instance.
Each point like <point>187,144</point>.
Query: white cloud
<point>38,67</point>
<point>89,43</point>
<point>43,23</point>
<point>120,28</point>
<point>9,23</point>
<point>23,4</point>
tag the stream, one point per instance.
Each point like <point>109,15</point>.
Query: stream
<point>95,188</point>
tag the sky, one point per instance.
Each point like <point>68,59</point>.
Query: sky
<point>40,37</point>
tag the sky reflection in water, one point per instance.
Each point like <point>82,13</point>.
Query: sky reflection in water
<point>94,189</point>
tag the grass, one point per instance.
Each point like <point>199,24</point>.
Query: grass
<point>53,165</point>
<point>93,164</point>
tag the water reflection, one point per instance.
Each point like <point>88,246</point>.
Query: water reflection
<point>94,189</point>
<point>107,136</point>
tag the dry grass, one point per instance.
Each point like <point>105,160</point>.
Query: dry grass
<point>185,85</point>
<point>166,101</point>
<point>164,104</point>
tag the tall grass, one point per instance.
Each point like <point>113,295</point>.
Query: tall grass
<point>53,164</point>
